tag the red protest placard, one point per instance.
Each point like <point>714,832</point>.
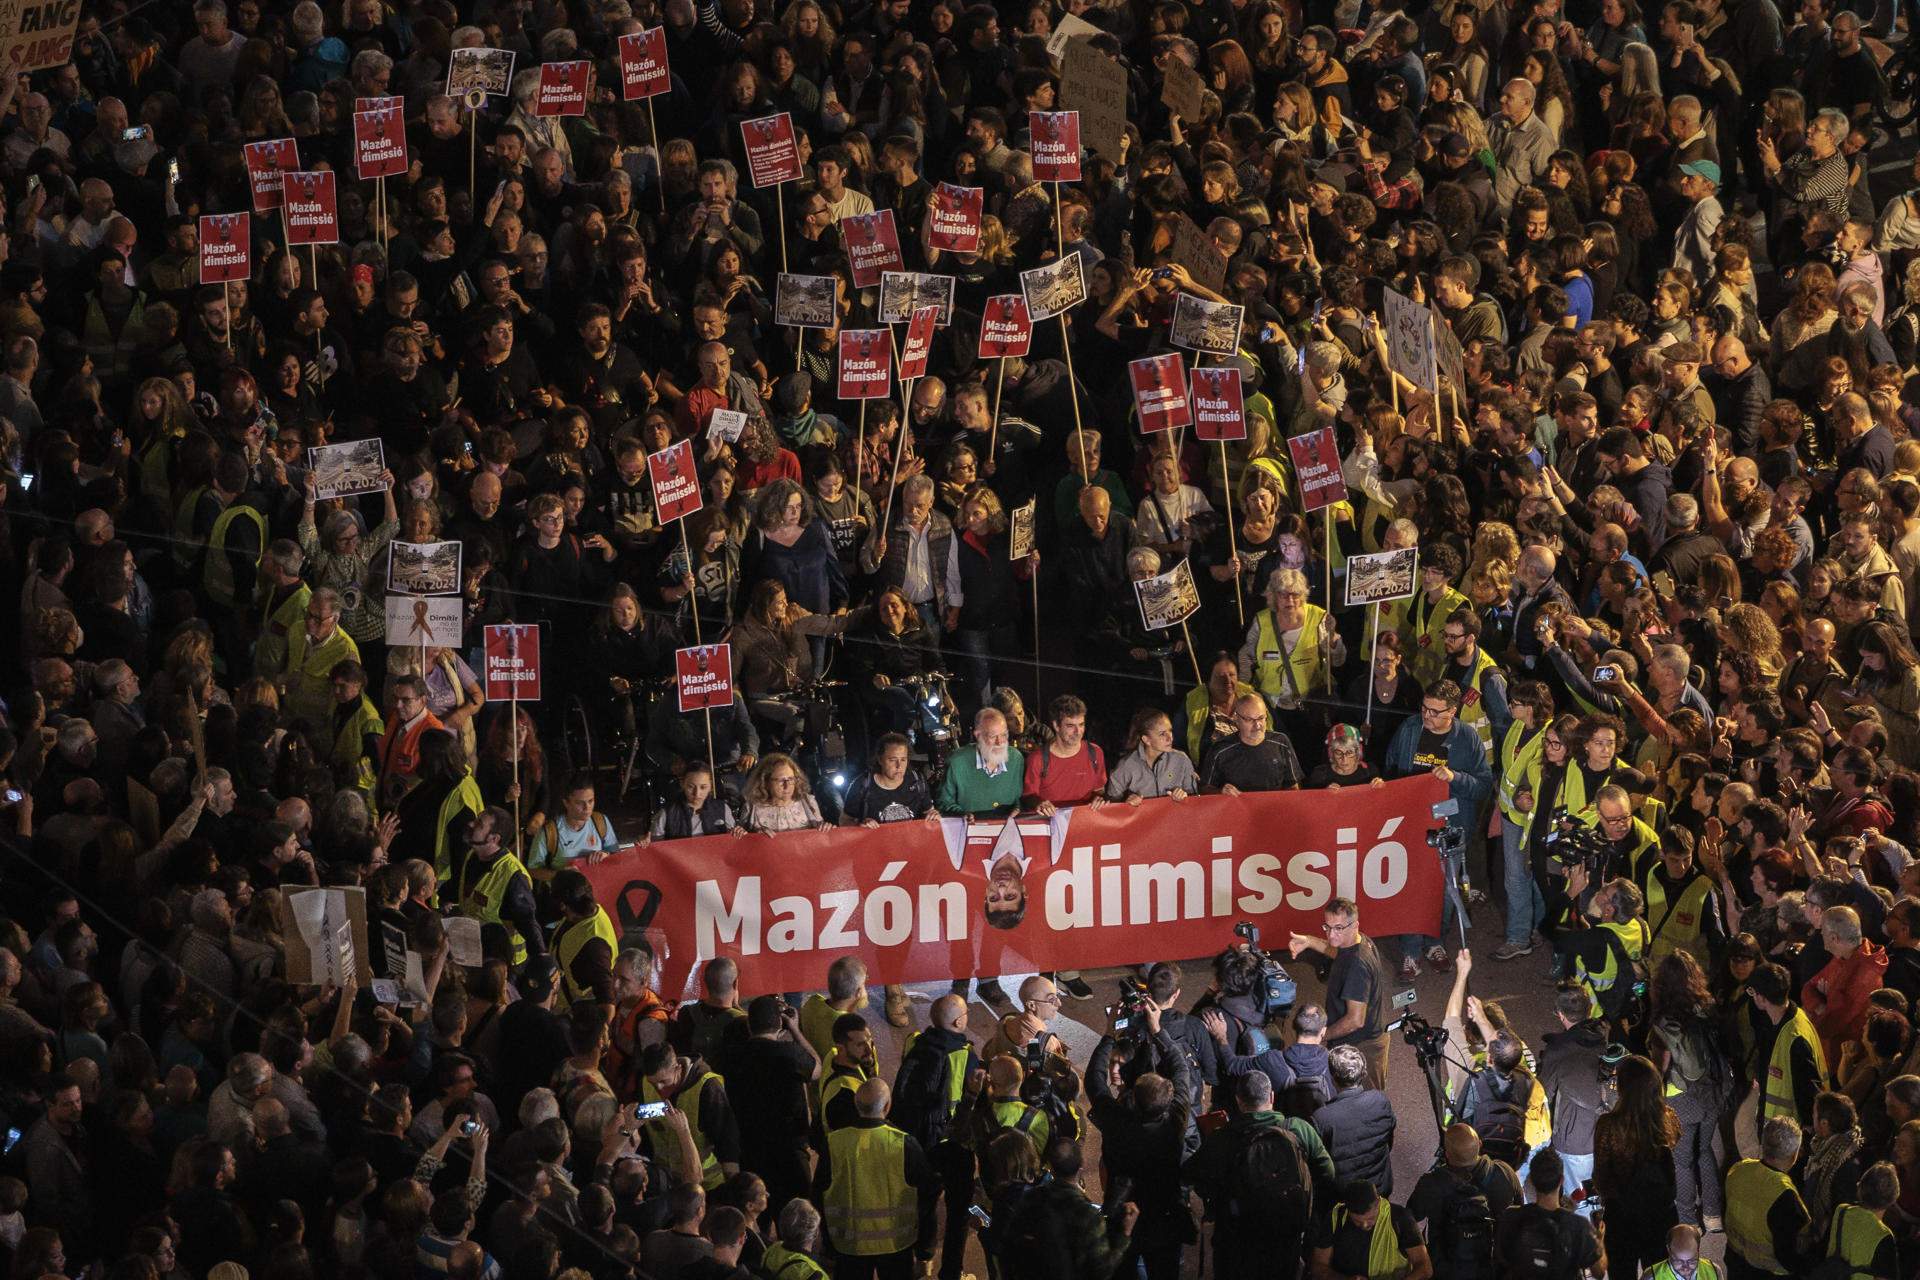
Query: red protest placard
<point>312,208</point>
<point>773,157</point>
<point>512,662</point>
<point>866,364</point>
<point>226,247</point>
<point>873,246</point>
<point>1054,145</point>
<point>379,144</point>
<point>956,215</point>
<point>395,103</point>
<point>705,676</point>
<point>643,65</point>
<point>563,89</point>
<point>1005,327</point>
<point>1219,404</point>
<point>1160,392</point>
<point>266,161</point>
<point>1316,465</point>
<point>676,484</point>
<point>919,344</point>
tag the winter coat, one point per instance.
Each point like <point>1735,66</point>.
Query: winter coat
<point>1836,997</point>
<point>1357,1126</point>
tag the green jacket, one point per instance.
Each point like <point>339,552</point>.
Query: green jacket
<point>968,792</point>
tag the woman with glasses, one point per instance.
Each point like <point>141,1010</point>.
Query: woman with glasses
<point>1544,780</point>
<point>779,798</point>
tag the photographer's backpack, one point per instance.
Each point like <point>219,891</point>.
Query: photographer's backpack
<point>1271,1189</point>
<point>1497,1109</point>
<point>1463,1236</point>
<point>1542,1247</point>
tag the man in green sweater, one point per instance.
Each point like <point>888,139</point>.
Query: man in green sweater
<point>984,781</point>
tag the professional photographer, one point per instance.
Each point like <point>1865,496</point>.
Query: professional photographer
<point>1299,1071</point>
<point>1357,994</point>
<point>1573,1069</point>
<point>1184,1037</point>
<point>1444,745</point>
<point>1260,1174</point>
<point>1609,955</point>
<point>1458,1201</point>
<point>1146,1135</point>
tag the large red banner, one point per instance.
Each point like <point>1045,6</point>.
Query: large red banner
<point>929,901</point>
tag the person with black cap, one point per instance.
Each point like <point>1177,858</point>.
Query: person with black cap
<point>533,1038</point>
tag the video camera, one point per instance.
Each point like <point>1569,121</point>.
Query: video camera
<point>1273,991</point>
<point>1573,843</point>
<point>1130,1014</point>
<point>1447,840</point>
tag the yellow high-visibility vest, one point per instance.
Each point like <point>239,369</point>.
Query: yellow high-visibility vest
<point>870,1211</point>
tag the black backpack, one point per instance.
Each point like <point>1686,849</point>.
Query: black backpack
<point>920,1094</point>
<point>1541,1248</point>
<point>1462,1234</point>
<point>1270,1192</point>
<point>1497,1109</point>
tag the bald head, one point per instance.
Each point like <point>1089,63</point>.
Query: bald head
<point>872,1099</point>
<point>270,1119</point>
<point>1462,1146</point>
<point>950,1013</point>
<point>1536,566</point>
<point>485,490</point>
<point>1730,356</point>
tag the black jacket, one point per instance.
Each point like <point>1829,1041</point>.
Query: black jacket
<point>1357,1126</point>
<point>1143,1153</point>
<point>1569,1070</point>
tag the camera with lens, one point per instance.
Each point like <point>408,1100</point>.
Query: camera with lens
<point>1428,1041</point>
<point>1573,843</point>
<point>1273,991</point>
<point>1130,1014</point>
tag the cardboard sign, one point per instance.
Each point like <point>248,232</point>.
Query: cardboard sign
<point>1316,465</point>
<point>395,103</point>
<point>266,161</point>
<point>955,214</point>
<point>805,302</point>
<point>1020,529</point>
<point>919,344</point>
<point>226,247</point>
<point>643,65</point>
<point>773,157</point>
<point>676,483</point>
<point>379,144</point>
<point>1184,91</point>
<point>1058,286</point>
<point>873,246</point>
<point>704,676</point>
<point>511,662</point>
<point>1382,576</point>
<point>563,89</point>
<point>1160,392</point>
<point>312,207</point>
<point>488,71</point>
<point>904,292</point>
<point>424,568</point>
<point>1200,325</point>
<point>1193,249</point>
<point>1219,404</point>
<point>1065,28</point>
<point>1054,143</point>
<point>326,934</point>
<point>726,425</point>
<point>1167,599</point>
<point>866,364</point>
<point>1096,86</point>
<point>430,620</point>
<point>1005,327</point>
<point>1410,340</point>
<point>37,34</point>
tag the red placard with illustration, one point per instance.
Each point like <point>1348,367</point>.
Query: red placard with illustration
<point>919,344</point>
<point>1160,392</point>
<point>266,161</point>
<point>1054,145</point>
<point>394,103</point>
<point>226,247</point>
<point>773,157</point>
<point>955,213</point>
<point>873,246</point>
<point>1005,327</point>
<point>1316,465</point>
<point>312,207</point>
<point>676,483</point>
<point>705,676</point>
<point>379,144</point>
<point>643,65</point>
<point>512,661</point>
<point>563,89</point>
<point>866,364</point>
<point>1219,403</point>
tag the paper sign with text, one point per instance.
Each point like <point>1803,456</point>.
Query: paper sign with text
<point>773,157</point>
<point>266,161</point>
<point>37,34</point>
<point>1219,404</point>
<point>312,207</point>
<point>379,144</point>
<point>226,247</point>
<point>563,89</point>
<point>873,246</point>
<point>1316,465</point>
<point>705,676</point>
<point>955,213</point>
<point>512,662</point>
<point>1160,392</point>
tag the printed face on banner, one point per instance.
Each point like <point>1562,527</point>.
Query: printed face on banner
<point>866,364</point>
<point>312,208</point>
<point>395,103</point>
<point>919,344</point>
<point>1005,329</point>
<point>266,161</point>
<point>226,247</point>
<point>1160,392</point>
<point>643,65</point>
<point>955,213</point>
<point>563,89</point>
<point>676,484</point>
<point>1055,145</point>
<point>1058,286</point>
<point>379,144</point>
<point>705,674</point>
<point>772,155</point>
<point>1219,404</point>
<point>873,246</point>
<point>512,662</point>
<point>1316,464</point>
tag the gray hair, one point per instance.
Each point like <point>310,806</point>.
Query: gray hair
<point>209,909</point>
<point>1683,511</point>
<point>539,1105</point>
<point>1143,562</point>
<point>249,1073</point>
<point>339,524</point>
<point>286,555</point>
<point>1348,1065</point>
<point>1674,658</point>
<point>799,1225</point>
<point>1843,923</point>
<point>1836,121</point>
<point>1286,579</point>
<point>308,23</point>
<point>1323,357</point>
<point>327,598</point>
<point>351,1054</point>
<point>1780,1140</point>
<point>347,813</point>
<point>370,62</point>
<point>108,675</point>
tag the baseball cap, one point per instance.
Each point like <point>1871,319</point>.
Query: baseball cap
<point>1456,145</point>
<point>1344,735</point>
<point>1703,169</point>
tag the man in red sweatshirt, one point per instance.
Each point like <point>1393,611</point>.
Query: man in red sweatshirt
<point>1836,997</point>
<point>1068,771</point>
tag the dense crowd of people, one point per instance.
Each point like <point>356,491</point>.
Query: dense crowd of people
<point>1664,494</point>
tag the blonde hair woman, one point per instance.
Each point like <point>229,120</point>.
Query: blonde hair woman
<point>1733,288</point>
<point>779,798</point>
